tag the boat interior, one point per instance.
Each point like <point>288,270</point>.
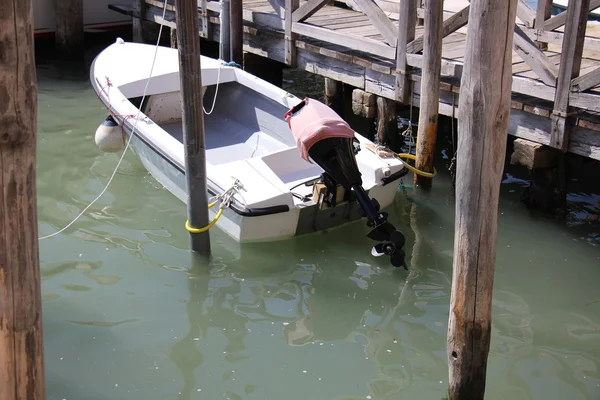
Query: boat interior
<point>242,125</point>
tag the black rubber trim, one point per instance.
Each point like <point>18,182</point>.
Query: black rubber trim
<point>259,212</point>
<point>395,176</point>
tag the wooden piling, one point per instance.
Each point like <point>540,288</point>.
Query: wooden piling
<point>137,23</point>
<point>290,38</point>
<point>225,33</point>
<point>69,33</point>
<point>544,165</point>
<point>543,12</point>
<point>430,90</point>
<point>236,29</point>
<point>484,112</point>
<point>387,124</point>
<point>334,95</point>
<point>21,339</point>
<point>188,41</point>
<point>407,24</point>
<point>143,29</point>
<point>264,68</point>
<point>572,51</point>
<point>173,37</point>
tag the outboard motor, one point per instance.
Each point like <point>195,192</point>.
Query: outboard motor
<point>323,136</point>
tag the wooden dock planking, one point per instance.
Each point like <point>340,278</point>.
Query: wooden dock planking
<point>345,45</point>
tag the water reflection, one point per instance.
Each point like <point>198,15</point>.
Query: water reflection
<point>128,314</point>
<point>278,302</point>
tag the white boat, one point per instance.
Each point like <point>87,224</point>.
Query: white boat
<point>97,17</point>
<point>247,140</point>
<point>561,5</point>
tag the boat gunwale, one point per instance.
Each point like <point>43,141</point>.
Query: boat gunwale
<point>213,188</point>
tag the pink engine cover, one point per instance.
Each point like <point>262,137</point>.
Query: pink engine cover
<point>315,122</point>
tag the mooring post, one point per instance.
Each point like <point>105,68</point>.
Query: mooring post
<point>484,112</point>
<point>430,90</point>
<point>69,28</point>
<point>188,41</point>
<point>225,32</point>
<point>21,339</point>
<point>236,29</point>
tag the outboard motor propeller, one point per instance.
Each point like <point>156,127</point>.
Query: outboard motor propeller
<point>323,136</point>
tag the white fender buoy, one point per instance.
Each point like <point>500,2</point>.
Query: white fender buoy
<point>109,136</point>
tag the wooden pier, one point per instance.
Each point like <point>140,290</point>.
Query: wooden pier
<point>377,46</point>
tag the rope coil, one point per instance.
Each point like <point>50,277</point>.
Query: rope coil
<point>382,151</point>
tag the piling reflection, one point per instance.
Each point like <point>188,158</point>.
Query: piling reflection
<point>324,294</point>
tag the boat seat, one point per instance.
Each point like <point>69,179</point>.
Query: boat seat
<point>258,191</point>
<point>286,168</point>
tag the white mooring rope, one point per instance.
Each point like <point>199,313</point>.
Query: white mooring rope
<point>128,141</point>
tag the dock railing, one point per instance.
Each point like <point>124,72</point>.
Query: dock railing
<point>561,84</point>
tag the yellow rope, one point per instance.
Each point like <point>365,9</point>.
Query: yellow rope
<point>385,152</point>
<point>225,199</point>
<point>413,169</point>
<point>207,227</point>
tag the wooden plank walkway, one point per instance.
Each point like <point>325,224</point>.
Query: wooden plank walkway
<point>359,48</point>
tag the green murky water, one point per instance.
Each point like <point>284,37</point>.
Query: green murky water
<point>129,315</point>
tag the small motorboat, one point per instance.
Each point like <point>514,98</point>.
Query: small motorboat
<point>288,166</point>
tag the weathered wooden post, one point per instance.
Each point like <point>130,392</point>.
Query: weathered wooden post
<point>484,112</point>
<point>236,29</point>
<point>430,90</point>
<point>69,28</point>
<point>406,33</point>
<point>139,7</point>
<point>264,68</point>
<point>188,41</point>
<point>173,38</point>
<point>387,124</point>
<point>21,339</point>
<point>570,65</point>
<point>334,95</point>
<point>543,12</point>
<point>225,33</point>
<point>290,37</point>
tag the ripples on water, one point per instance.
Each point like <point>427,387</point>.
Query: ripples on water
<point>128,314</point>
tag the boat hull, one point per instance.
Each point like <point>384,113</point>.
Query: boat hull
<point>248,229</point>
<point>249,143</point>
